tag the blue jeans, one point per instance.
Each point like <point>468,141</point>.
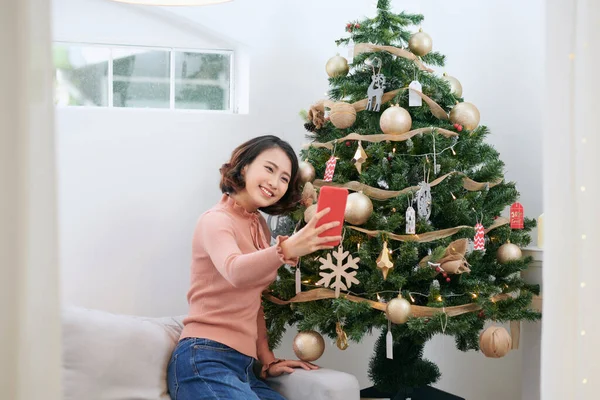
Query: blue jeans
<point>202,369</point>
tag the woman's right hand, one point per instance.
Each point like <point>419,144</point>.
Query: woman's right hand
<point>307,239</point>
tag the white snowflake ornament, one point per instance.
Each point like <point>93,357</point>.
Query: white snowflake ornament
<point>338,271</point>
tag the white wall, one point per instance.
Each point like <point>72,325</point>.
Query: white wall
<point>132,182</point>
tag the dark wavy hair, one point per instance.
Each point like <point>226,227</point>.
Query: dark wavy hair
<point>232,180</point>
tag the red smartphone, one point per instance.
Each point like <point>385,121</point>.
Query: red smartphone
<point>334,198</point>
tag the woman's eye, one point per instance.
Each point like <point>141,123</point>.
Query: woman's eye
<point>285,180</point>
<point>269,169</point>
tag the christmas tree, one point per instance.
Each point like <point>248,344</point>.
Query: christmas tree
<point>424,250</point>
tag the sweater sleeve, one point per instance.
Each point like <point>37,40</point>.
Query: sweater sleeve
<point>264,353</point>
<point>216,234</point>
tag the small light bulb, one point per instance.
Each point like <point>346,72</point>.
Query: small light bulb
<point>411,298</point>
<point>358,246</point>
<point>474,295</point>
<point>582,284</point>
<point>582,333</point>
<point>439,298</point>
<point>378,297</point>
<point>584,381</point>
<point>394,150</point>
<point>572,56</point>
<point>453,152</point>
<point>453,196</point>
<point>583,188</point>
<point>584,236</point>
<point>584,140</point>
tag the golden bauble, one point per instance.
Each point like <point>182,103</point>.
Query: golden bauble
<point>508,252</point>
<point>398,310</point>
<point>309,213</point>
<point>420,43</point>
<point>465,114</point>
<point>342,115</point>
<point>395,121</point>
<point>307,171</point>
<point>358,208</point>
<point>337,66</point>
<point>495,342</point>
<point>309,345</point>
<point>455,86</point>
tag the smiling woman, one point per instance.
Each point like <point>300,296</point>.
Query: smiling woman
<point>225,330</point>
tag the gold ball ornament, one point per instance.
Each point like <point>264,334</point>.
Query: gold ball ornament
<point>342,115</point>
<point>398,310</point>
<point>358,208</point>
<point>508,252</point>
<point>455,86</point>
<point>307,171</point>
<point>337,66</point>
<point>495,342</point>
<point>309,213</point>
<point>465,114</point>
<point>309,345</point>
<point>420,43</point>
<point>395,121</point>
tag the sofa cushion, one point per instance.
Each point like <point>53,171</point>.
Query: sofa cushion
<point>116,357</point>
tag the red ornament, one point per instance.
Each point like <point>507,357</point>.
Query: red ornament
<point>389,158</point>
<point>357,26</point>
<point>438,269</point>
<point>516,216</point>
<point>448,280</point>
<point>445,275</point>
<point>349,27</point>
<point>458,127</point>
<point>330,169</point>
<point>348,144</point>
<point>479,239</point>
<point>481,314</point>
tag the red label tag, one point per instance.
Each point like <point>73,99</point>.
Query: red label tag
<point>516,216</point>
<point>330,169</point>
<point>479,240</point>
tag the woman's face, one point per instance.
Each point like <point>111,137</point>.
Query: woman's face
<point>267,178</point>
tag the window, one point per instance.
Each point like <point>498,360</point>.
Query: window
<point>133,77</point>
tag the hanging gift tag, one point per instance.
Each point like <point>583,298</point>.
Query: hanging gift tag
<point>298,280</point>
<point>479,240</point>
<point>517,216</point>
<point>389,342</point>
<point>410,221</point>
<point>350,57</point>
<point>424,200</point>
<point>330,169</point>
<point>414,100</point>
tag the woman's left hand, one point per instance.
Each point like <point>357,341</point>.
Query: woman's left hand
<point>287,366</point>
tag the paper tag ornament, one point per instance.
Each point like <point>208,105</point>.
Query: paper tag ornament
<point>389,342</point>
<point>424,200</point>
<point>410,221</point>
<point>375,92</point>
<point>479,240</point>
<point>414,100</point>
<point>330,169</point>
<point>298,280</point>
<point>516,216</point>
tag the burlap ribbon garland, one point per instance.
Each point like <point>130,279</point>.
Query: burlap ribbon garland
<point>361,105</point>
<point>429,236</point>
<point>380,137</point>
<point>381,194</point>
<point>417,311</point>
<point>360,48</point>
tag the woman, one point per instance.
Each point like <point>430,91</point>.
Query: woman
<point>233,262</point>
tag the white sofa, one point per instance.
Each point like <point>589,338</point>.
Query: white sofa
<point>118,357</point>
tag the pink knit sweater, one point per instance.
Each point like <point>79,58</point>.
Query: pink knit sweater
<point>232,264</point>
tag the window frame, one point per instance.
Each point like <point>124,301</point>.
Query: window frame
<point>232,107</point>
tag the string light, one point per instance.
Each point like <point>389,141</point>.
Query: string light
<point>584,236</point>
<point>378,298</point>
<point>583,188</point>
<point>411,298</point>
<point>474,295</point>
<point>439,298</point>
<point>584,140</point>
<point>358,246</point>
<point>582,333</point>
<point>582,285</point>
<point>453,196</point>
<point>584,381</point>
<point>453,152</point>
<point>394,150</point>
